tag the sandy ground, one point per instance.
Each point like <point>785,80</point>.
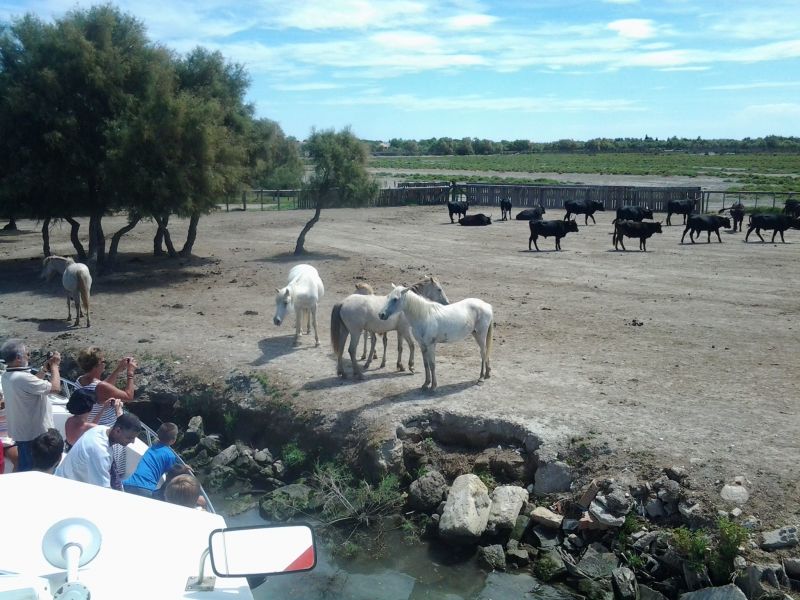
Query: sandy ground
<point>709,380</point>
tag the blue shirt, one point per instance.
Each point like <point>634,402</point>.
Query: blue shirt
<point>155,462</point>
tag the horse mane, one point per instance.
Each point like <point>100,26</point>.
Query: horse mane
<point>415,306</point>
<point>417,287</point>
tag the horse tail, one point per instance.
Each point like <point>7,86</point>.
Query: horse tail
<point>338,330</point>
<point>84,285</point>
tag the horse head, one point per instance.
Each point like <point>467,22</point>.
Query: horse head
<point>283,303</point>
<point>54,265</point>
<point>394,302</point>
<point>433,291</point>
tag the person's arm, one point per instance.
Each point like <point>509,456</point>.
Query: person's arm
<point>121,366</point>
<point>106,390</point>
<point>52,366</point>
<point>99,467</point>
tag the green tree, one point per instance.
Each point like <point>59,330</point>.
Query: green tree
<point>273,159</point>
<point>340,175</point>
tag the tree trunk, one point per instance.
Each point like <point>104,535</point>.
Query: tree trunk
<point>46,237</point>
<point>158,240</point>
<point>76,242</point>
<point>299,248</point>
<point>133,220</point>
<point>97,240</point>
<point>191,235</point>
<point>162,225</point>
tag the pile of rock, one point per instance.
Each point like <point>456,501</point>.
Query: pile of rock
<point>606,544</point>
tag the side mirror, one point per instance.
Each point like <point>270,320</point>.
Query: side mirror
<point>262,550</point>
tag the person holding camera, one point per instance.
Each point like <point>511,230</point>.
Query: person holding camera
<point>92,362</point>
<point>28,409</point>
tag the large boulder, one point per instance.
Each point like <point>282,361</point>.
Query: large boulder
<point>427,492</point>
<point>492,557</point>
<point>466,511</point>
<point>552,475</point>
<point>507,501</point>
<point>725,592</point>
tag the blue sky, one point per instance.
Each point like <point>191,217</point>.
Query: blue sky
<point>518,69</point>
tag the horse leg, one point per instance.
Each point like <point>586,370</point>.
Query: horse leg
<point>385,341</point>
<point>364,351</point>
<point>400,366</point>
<point>373,340</point>
<point>298,324</point>
<point>313,312</point>
<point>352,350</point>
<point>311,317</point>
<point>78,312</point>
<point>69,307</point>
<point>410,342</point>
<point>432,365</point>
<point>424,350</point>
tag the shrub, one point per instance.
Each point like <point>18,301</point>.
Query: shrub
<point>293,456</point>
<point>691,544</point>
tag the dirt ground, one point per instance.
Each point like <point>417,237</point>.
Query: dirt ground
<point>686,354</point>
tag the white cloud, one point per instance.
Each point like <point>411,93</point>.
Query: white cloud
<point>306,87</point>
<point>347,14</point>
<point>753,85</point>
<point>472,21</point>
<point>406,41</point>
<point>637,29</point>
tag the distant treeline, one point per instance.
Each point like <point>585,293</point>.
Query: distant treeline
<point>445,146</point>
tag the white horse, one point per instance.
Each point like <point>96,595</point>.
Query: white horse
<point>75,278</point>
<point>432,323</point>
<point>303,293</point>
<point>359,312</point>
<point>365,289</point>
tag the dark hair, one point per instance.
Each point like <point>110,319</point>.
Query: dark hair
<point>168,432</point>
<point>80,402</point>
<point>128,422</point>
<point>175,470</point>
<point>47,449</point>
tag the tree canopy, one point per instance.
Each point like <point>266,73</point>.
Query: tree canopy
<point>96,119</point>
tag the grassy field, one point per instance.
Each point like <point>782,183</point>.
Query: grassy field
<point>767,172</point>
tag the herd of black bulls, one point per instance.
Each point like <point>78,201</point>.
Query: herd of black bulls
<point>630,221</point>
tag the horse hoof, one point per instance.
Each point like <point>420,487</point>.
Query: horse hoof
<point>411,370</point>
<point>401,368</point>
<point>316,344</point>
<point>425,387</point>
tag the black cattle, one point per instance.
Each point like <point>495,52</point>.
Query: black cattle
<point>779,223</point>
<point>505,209</point>
<point>475,220</point>
<point>583,207</point>
<point>683,207</point>
<point>633,213</point>
<point>531,214</point>
<point>737,214</point>
<point>634,229</point>
<point>792,207</point>
<point>557,229</point>
<point>457,208</point>
<point>709,223</point>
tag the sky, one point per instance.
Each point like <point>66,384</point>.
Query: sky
<point>541,70</point>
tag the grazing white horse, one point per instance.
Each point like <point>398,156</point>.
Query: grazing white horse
<point>432,323</point>
<point>303,293</point>
<point>75,278</point>
<point>358,313</point>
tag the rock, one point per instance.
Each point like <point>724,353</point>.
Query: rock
<point>504,463</point>
<point>752,523</point>
<point>226,457</point>
<point>736,513</point>
<point>695,579</point>
<point>624,582</point>
<point>598,562</point>
<point>385,457</point>
<point>220,477</point>
<point>792,567</point>
<point>654,509</point>
<point>725,592</point>
<point>736,493</point>
<point>785,537</point>
<point>588,521</point>
<point>618,501</point>
<point>589,494</point>
<point>552,475</point>
<point>285,502</point>
<point>751,579</point>
<point>194,432</point>
<point>516,555</point>
<point>575,541</point>
<point>263,456</point>
<point>596,590</point>
<point>507,501</point>
<point>543,537</point>
<point>278,470</point>
<point>644,543</point>
<point>669,491</point>
<point>676,473</point>
<point>210,443</point>
<point>646,593</point>
<point>493,557</point>
<point>599,511</point>
<point>520,527</point>
<point>427,492</point>
<point>546,517</point>
<point>506,585</point>
<point>570,524</point>
<point>466,510</point>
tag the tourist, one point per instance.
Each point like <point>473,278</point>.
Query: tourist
<point>184,490</point>
<point>7,445</point>
<point>80,405</point>
<point>27,407</point>
<point>92,362</point>
<point>90,460</point>
<point>47,450</point>
<point>158,459</point>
